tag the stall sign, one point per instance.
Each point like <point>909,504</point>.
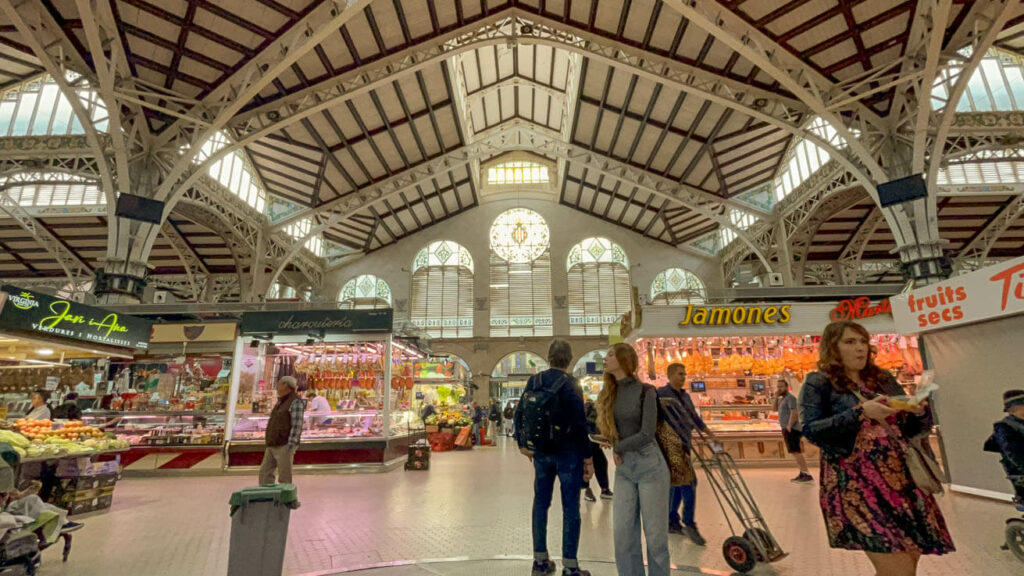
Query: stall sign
<point>312,321</point>
<point>984,294</point>
<point>40,313</point>
<point>859,308</point>
<point>197,332</point>
<point>735,315</point>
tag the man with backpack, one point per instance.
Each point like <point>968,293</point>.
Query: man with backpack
<point>551,430</point>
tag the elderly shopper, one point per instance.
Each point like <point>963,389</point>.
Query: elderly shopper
<point>284,431</point>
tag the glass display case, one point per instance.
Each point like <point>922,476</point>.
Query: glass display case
<point>364,412</point>
<point>164,428</point>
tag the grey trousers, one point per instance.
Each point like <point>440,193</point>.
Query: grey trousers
<point>641,496</point>
<point>277,458</point>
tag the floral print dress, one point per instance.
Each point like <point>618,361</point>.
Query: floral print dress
<point>871,503</point>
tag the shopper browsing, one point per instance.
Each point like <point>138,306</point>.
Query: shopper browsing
<point>686,495</point>
<point>627,414</point>
<point>551,430</point>
<point>508,417</point>
<point>284,431</point>
<point>597,453</point>
<point>493,419</point>
<point>39,411</point>
<point>477,414</point>
<point>789,420</point>
<point>868,497</point>
<point>1008,439</point>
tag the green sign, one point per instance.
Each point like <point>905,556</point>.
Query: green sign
<point>312,322</point>
<point>33,312</point>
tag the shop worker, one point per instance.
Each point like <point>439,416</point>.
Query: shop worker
<point>284,430</point>
<point>789,420</point>
<point>686,494</point>
<point>551,430</point>
<point>39,411</point>
<point>1008,439</point>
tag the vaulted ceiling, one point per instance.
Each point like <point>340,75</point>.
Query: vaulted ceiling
<point>653,123</point>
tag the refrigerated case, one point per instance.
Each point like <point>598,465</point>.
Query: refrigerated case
<point>354,363</point>
<point>166,441</point>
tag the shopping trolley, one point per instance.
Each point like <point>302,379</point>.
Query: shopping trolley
<point>756,544</point>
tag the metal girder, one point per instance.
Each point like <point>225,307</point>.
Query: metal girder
<point>130,135</point>
<point>513,82</point>
<point>828,272</point>
<point>850,258</point>
<point>793,74</point>
<point>976,252</point>
<point>772,108</point>
<point>987,19</point>
<point>195,269</point>
<point>799,238</point>
<point>220,287</point>
<point>983,123</point>
<point>75,268</point>
<point>221,105</point>
<point>55,52</point>
<point>517,135</point>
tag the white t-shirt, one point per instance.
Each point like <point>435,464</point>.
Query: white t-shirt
<point>320,404</point>
<point>40,413</point>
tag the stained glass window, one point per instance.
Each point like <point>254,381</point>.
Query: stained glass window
<point>518,173</point>
<point>599,286</point>
<point>520,292</point>
<point>442,290</point>
<point>366,291</point>
<point>676,286</point>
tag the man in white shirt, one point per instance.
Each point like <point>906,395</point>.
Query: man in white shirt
<point>317,403</point>
<point>39,411</point>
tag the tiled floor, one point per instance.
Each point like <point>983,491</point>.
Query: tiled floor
<point>470,505</point>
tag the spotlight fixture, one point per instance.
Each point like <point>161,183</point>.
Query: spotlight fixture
<point>254,344</point>
<point>310,341</point>
<point>44,351</point>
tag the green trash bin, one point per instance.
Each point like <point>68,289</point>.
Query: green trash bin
<point>259,529</point>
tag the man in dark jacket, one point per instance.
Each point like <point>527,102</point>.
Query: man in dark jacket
<point>477,414</point>
<point>690,420</point>
<point>427,411</point>
<point>1008,439</point>
<point>284,431</point>
<point>569,459</point>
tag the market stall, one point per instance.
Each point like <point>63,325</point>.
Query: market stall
<point>734,356</point>
<point>972,326</point>
<point>175,413</point>
<point>589,372</point>
<point>350,358</point>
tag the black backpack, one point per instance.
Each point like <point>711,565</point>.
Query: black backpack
<point>543,426</point>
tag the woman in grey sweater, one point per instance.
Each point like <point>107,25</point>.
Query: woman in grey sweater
<point>627,414</point>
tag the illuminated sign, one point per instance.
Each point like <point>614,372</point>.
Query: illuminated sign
<point>39,313</point>
<point>735,315</point>
<point>857,308</point>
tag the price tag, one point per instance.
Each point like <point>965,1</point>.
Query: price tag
<point>52,382</point>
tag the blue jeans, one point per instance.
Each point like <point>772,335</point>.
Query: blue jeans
<point>641,496</point>
<point>687,496</point>
<point>568,468</point>
<point>476,434</point>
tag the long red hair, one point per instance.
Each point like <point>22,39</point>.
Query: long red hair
<point>628,361</point>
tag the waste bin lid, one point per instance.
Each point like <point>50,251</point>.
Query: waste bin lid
<point>280,493</point>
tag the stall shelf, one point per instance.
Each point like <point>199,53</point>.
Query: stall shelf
<point>735,355</point>
<point>351,359</point>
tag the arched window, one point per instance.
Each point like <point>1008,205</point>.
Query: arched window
<point>519,364</point>
<point>366,291</point>
<point>442,290</point>
<point>676,286</point>
<point>520,294</point>
<point>599,289</point>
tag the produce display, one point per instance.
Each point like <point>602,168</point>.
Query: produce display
<point>38,438</point>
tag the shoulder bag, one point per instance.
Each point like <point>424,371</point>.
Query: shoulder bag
<point>672,448</point>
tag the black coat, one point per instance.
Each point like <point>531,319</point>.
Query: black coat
<point>1008,439</point>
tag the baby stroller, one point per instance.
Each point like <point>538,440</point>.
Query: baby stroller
<point>1015,526</point>
<point>20,548</point>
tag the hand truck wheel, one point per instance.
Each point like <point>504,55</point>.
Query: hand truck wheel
<point>740,554</point>
<point>1015,538</point>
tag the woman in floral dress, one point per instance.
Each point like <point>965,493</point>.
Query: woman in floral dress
<point>868,498</point>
